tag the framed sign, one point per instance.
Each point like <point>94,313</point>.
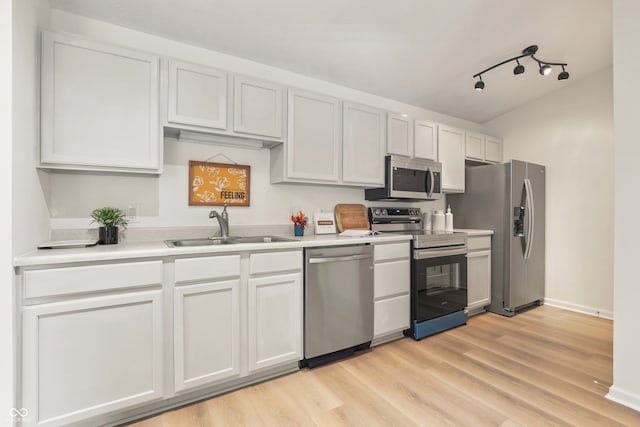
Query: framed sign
<point>218,184</point>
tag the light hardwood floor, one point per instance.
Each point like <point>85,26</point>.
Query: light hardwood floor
<point>535,369</point>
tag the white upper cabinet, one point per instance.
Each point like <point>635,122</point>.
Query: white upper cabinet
<point>257,107</point>
<point>451,150</point>
<point>399,134</point>
<point>425,140</point>
<point>474,149</point>
<point>493,150</point>
<point>197,95</point>
<point>313,143</point>
<point>483,148</point>
<point>99,107</point>
<point>363,145</point>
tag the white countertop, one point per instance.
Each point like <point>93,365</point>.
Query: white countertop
<point>473,232</point>
<point>157,249</point>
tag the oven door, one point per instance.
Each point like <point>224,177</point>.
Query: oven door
<point>439,282</point>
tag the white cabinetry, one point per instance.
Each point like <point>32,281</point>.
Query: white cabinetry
<point>425,140</point>
<point>88,356</point>
<point>392,283</point>
<point>99,107</point>
<point>311,152</point>
<point>483,148</point>
<point>363,145</point>
<point>198,98</point>
<point>493,150</point>
<point>257,107</point>
<point>206,321</point>
<point>274,309</point>
<point>478,273</point>
<point>197,95</point>
<point>399,134</point>
<point>451,151</point>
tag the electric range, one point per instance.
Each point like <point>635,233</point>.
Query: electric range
<point>438,270</point>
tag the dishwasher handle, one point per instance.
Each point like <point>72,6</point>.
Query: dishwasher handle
<point>322,260</point>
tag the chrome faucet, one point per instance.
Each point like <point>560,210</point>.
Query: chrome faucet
<point>223,220</point>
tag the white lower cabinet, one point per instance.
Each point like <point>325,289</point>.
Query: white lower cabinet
<point>90,356</point>
<point>206,321</point>
<point>478,273</point>
<point>275,320</point>
<point>392,285</point>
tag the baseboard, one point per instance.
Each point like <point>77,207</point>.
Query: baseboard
<point>592,311</point>
<point>623,397</point>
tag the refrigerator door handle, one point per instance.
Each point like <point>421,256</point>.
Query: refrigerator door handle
<point>531,217</point>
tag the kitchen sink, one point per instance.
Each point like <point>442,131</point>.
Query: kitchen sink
<point>211,241</point>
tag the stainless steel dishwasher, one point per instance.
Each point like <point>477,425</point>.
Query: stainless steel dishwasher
<point>338,302</point>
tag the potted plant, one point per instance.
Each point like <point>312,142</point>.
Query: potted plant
<point>110,219</point>
<point>299,223</point>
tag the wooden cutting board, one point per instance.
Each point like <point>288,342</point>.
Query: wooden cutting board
<point>352,217</point>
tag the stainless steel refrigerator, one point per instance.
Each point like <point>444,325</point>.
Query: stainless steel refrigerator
<point>509,199</point>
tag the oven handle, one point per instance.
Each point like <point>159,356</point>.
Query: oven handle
<point>435,253</point>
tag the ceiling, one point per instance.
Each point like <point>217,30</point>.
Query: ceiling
<point>422,52</point>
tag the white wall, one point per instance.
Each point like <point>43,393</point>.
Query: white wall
<point>24,212</point>
<point>571,133</point>
<point>626,64</point>
<point>6,267</point>
<point>30,215</point>
<point>163,201</point>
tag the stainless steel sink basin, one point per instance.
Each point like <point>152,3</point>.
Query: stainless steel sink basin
<point>182,243</point>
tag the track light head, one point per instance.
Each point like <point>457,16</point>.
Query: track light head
<point>564,75</point>
<point>545,69</point>
<point>519,69</point>
<point>479,85</point>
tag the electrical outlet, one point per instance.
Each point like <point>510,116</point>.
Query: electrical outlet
<point>132,212</point>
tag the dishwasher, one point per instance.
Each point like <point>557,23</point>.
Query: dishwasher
<point>338,302</point>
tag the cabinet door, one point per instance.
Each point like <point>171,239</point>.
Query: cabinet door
<point>425,140</point>
<point>275,320</point>
<point>91,356</point>
<point>391,315</point>
<point>206,333</point>
<point>493,149</point>
<point>363,145</point>
<point>197,95</point>
<point>399,134</point>
<point>313,145</point>
<point>257,107</point>
<point>451,155</point>
<point>99,107</point>
<point>474,149</point>
<point>478,279</point>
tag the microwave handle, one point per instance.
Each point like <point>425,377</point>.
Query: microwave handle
<point>428,182</point>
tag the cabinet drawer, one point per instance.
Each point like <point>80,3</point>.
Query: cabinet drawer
<point>275,261</point>
<point>391,315</point>
<point>479,242</point>
<point>391,251</point>
<point>91,278</point>
<point>216,267</point>
<point>391,278</point>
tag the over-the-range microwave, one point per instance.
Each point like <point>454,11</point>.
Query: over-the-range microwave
<point>409,179</point>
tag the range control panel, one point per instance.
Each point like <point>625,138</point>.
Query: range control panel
<point>386,214</point>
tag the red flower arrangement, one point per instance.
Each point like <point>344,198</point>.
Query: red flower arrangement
<point>299,219</point>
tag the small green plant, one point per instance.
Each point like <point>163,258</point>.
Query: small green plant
<point>109,217</point>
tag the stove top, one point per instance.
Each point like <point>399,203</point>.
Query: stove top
<point>409,221</point>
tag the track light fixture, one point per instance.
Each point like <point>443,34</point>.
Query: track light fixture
<point>544,66</point>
